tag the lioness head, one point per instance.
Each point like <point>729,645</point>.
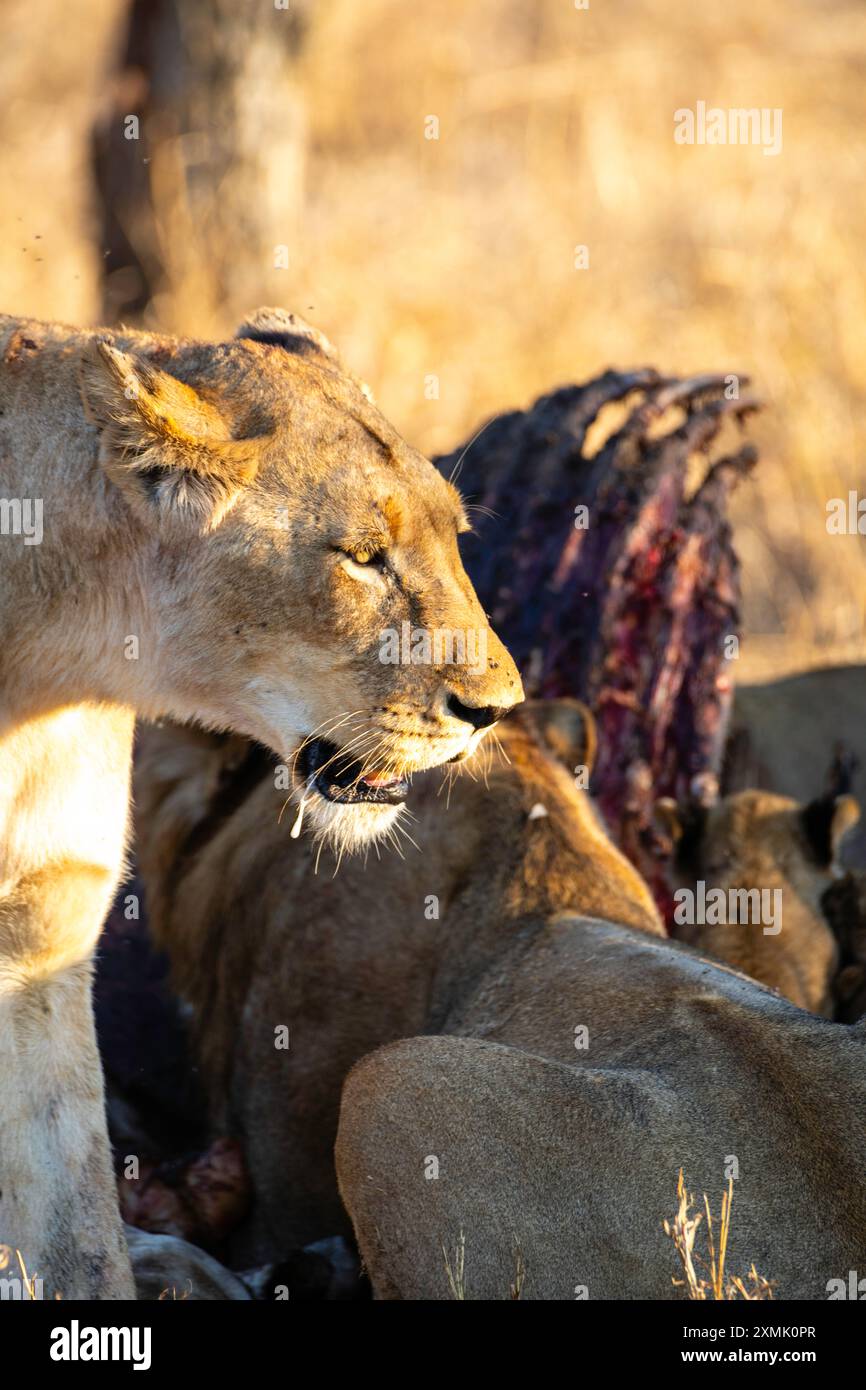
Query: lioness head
<point>303,584</point>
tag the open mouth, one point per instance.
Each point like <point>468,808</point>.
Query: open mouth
<point>337,777</point>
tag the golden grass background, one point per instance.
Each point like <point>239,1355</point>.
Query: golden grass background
<point>455,257</point>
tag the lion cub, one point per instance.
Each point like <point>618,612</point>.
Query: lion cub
<point>749,872</point>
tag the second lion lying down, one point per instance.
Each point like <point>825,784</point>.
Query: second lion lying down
<point>517,928</point>
<point>425,943</point>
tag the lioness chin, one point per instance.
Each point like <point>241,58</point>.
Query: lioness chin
<point>225,532</point>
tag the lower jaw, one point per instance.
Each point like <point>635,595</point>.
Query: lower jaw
<point>349,827</point>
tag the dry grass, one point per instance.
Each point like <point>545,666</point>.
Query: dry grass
<point>455,1268</point>
<point>455,257</point>
<point>720,1285</point>
<point>515,1288</point>
<point>29,1282</point>
<point>171,1295</point>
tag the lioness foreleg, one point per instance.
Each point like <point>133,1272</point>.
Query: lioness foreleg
<point>58,1206</point>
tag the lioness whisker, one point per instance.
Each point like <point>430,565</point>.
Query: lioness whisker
<point>400,829</point>
<point>319,854</point>
<point>353,744</point>
<point>485,511</point>
<point>497,744</point>
<point>455,471</point>
<point>327,726</point>
<point>321,731</point>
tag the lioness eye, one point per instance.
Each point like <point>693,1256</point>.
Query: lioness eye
<point>366,555</point>
<point>366,562</point>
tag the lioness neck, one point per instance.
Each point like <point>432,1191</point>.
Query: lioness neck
<point>71,559</point>
<point>65,754</point>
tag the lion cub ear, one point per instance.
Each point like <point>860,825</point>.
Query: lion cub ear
<point>567,728</point>
<point>825,822</point>
<point>169,451</point>
<point>669,818</point>
<point>684,824</point>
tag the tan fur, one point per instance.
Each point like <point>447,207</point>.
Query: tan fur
<point>784,734</point>
<point>568,1154</point>
<point>560,1165</point>
<point>194,498</point>
<point>258,939</point>
<point>756,842</point>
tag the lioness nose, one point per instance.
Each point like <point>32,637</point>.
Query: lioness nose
<point>479,716</point>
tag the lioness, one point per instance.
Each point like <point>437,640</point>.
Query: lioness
<point>220,531</point>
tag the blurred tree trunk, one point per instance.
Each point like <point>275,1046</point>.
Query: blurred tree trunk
<point>202,208</point>
<point>51,83</point>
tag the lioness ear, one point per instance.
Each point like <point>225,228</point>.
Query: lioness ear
<point>286,330</point>
<point>826,821</point>
<point>169,451</point>
<point>567,727</point>
<point>280,328</point>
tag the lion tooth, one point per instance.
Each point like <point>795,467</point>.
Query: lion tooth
<point>538,811</point>
<point>299,818</point>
